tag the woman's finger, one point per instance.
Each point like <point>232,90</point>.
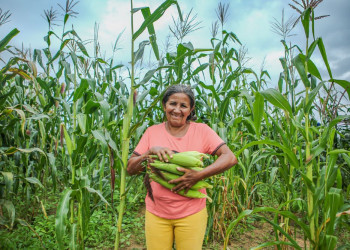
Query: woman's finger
<point>160,157</point>
<point>170,153</point>
<point>165,156</point>
<point>185,170</point>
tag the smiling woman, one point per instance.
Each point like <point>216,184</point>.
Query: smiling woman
<point>179,109</point>
<point>169,214</point>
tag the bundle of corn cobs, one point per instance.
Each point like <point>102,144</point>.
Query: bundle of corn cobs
<point>164,172</point>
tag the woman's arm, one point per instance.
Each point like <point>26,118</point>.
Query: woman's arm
<point>134,162</point>
<point>226,159</point>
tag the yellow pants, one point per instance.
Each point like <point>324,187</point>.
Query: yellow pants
<point>188,232</point>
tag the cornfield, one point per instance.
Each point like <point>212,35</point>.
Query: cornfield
<point>70,119</point>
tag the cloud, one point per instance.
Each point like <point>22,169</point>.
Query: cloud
<point>250,22</point>
<point>116,20</point>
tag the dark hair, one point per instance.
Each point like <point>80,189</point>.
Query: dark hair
<point>181,88</point>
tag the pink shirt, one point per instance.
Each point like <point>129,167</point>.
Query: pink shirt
<point>199,137</point>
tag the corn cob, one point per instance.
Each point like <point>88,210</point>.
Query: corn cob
<point>190,193</point>
<point>170,167</point>
<point>199,185</point>
<point>195,154</point>
<point>187,159</point>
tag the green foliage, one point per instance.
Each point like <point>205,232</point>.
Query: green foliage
<point>101,226</point>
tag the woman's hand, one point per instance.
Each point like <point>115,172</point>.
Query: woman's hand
<point>135,161</point>
<point>162,153</point>
<point>226,159</point>
<point>186,181</point>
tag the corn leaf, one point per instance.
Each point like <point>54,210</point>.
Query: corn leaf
<point>13,150</point>
<point>258,112</point>
<point>345,84</point>
<point>8,178</point>
<point>330,242</point>
<point>200,68</point>
<point>311,67</point>
<point>271,243</point>
<point>61,216</point>
<point>99,135</point>
<point>11,211</point>
<point>158,13</point>
<point>152,34</point>
<point>298,62</point>
<point>148,76</point>
<point>34,180</point>
<point>105,109</point>
<point>277,99</point>
<point>94,191</point>
<point>52,162</point>
<point>72,236</point>
<point>315,151</point>
<point>81,118</point>
<point>82,48</point>
<point>305,19</point>
<point>91,106</point>
<point>333,202</point>
<point>68,140</point>
<point>8,38</point>
<point>78,93</point>
<point>63,44</point>
<point>224,105</point>
<point>289,153</point>
<point>312,95</point>
<point>324,56</point>
<point>139,53</point>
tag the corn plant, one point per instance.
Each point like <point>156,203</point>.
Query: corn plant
<point>322,200</point>
<point>127,132</point>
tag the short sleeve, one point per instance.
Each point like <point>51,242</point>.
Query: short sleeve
<point>212,140</point>
<point>143,144</point>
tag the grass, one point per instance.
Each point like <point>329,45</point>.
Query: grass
<point>100,235</point>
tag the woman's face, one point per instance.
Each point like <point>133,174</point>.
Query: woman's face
<point>177,109</point>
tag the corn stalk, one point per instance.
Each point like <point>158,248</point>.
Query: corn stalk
<point>127,121</point>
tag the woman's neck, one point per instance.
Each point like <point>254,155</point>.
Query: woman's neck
<point>177,131</point>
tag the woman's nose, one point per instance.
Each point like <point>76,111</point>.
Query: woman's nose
<point>177,109</point>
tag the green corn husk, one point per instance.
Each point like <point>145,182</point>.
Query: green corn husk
<point>171,167</point>
<point>195,154</point>
<point>190,193</point>
<point>199,185</point>
<point>186,160</point>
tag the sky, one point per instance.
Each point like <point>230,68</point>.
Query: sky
<point>250,20</point>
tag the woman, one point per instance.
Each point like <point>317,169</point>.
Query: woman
<point>168,214</point>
